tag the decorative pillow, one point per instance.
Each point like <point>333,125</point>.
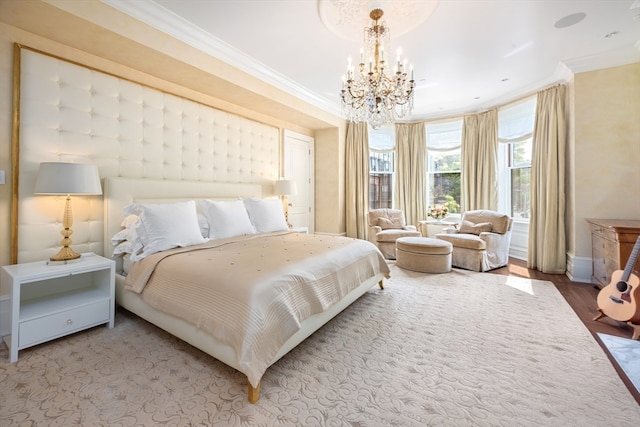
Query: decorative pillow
<point>130,221</point>
<point>386,223</point>
<point>227,219</point>
<point>266,215</point>
<point>125,247</point>
<point>467,227</point>
<point>164,226</point>
<point>128,232</point>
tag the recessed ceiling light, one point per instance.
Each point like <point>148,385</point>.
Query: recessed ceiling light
<point>570,20</point>
<point>504,80</point>
<point>611,34</point>
<point>477,97</point>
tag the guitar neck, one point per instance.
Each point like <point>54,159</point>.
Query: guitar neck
<point>631,261</point>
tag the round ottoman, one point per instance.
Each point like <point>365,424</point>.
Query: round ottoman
<point>424,254</point>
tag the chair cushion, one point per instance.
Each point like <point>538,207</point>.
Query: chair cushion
<point>500,222</point>
<point>469,241</point>
<point>392,234</point>
<point>394,219</point>
<point>469,227</point>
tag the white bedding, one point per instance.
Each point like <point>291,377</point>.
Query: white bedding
<point>253,292</point>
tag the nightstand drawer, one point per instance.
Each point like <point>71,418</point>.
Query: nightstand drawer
<point>59,324</point>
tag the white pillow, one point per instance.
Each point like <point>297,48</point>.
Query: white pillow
<point>266,215</point>
<point>227,219</point>
<point>164,226</point>
<point>203,224</point>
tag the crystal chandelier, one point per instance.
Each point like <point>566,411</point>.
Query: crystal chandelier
<point>373,93</point>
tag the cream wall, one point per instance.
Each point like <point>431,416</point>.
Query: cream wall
<point>605,150</point>
<point>330,169</point>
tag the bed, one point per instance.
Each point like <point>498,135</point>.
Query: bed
<point>304,293</point>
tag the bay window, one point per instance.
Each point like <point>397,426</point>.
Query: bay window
<point>444,161</point>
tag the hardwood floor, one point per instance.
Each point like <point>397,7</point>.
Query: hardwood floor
<point>582,298</point>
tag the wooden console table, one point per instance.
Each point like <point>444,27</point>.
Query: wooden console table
<point>612,241</point>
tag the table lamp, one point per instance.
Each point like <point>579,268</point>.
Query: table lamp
<point>284,188</point>
<point>57,178</point>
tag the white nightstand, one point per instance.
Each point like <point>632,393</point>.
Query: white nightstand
<point>304,230</point>
<point>50,301</point>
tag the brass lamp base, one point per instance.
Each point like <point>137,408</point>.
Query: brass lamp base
<point>65,254</point>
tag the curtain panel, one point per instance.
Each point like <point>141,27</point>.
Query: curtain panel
<point>357,179</point>
<point>547,244</point>
<point>479,178</point>
<point>411,171</point>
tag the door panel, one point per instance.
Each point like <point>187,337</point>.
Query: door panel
<point>298,166</point>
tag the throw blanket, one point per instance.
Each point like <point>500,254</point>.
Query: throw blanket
<point>252,292</point>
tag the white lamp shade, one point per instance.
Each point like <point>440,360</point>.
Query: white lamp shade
<point>286,187</point>
<point>68,178</point>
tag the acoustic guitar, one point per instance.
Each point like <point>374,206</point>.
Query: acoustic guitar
<point>619,299</point>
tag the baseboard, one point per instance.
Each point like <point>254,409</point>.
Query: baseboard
<point>5,315</point>
<point>579,269</point>
<point>518,253</point>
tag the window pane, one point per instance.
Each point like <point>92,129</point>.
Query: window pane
<point>520,192</point>
<point>380,191</point>
<point>381,170</point>
<point>520,154</point>
<point>444,179</point>
<point>380,162</point>
<point>446,161</point>
<point>444,190</point>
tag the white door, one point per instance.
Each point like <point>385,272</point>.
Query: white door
<point>298,166</point>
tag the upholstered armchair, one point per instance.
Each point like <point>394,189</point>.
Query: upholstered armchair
<point>385,227</point>
<point>480,241</point>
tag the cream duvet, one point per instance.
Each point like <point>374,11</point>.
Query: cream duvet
<point>252,292</point>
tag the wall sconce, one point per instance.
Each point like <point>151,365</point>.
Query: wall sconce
<point>56,178</point>
<point>284,188</point>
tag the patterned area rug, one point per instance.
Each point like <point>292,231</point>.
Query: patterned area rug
<point>459,349</point>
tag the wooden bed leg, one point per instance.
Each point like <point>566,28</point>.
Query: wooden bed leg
<point>381,284</point>
<point>254,393</point>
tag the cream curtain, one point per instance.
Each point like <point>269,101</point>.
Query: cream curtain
<point>411,171</point>
<point>479,180</point>
<point>357,179</point>
<point>547,246</point>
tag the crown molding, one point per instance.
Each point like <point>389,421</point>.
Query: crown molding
<point>612,58</point>
<point>156,16</point>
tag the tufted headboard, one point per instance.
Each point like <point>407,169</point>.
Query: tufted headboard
<point>72,113</point>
